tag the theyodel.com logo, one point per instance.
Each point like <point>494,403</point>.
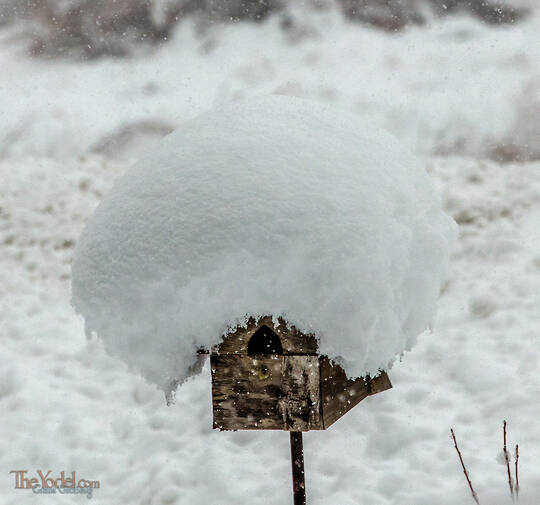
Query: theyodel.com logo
<point>44,482</point>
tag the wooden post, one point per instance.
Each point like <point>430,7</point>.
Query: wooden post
<point>297,461</point>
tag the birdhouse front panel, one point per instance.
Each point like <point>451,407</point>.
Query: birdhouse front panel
<point>270,393</point>
<point>270,376</point>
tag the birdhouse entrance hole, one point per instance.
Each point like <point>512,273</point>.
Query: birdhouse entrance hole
<point>264,341</point>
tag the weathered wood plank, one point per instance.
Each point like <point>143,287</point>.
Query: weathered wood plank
<point>300,406</point>
<point>246,392</point>
<point>273,393</point>
<point>380,383</point>
<point>339,394</point>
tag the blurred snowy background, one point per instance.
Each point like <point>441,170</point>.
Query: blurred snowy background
<point>87,85</point>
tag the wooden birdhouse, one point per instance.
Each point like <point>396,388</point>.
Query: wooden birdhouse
<point>270,376</point>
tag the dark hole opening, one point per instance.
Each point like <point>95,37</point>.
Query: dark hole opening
<point>264,341</point>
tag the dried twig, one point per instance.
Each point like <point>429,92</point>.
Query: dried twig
<point>464,469</point>
<point>507,458</point>
<point>517,477</point>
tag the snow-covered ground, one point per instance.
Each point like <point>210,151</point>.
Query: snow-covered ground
<point>455,86</point>
<point>66,405</point>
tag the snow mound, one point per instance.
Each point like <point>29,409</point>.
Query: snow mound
<point>273,206</point>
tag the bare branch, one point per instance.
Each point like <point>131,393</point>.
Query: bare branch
<point>475,497</point>
<point>517,477</point>
<point>507,458</point>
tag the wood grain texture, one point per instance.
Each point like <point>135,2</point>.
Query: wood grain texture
<point>268,393</point>
<point>242,400</point>
<point>300,405</point>
<point>339,394</point>
<point>380,383</point>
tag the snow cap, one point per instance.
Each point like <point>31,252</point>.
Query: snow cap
<point>274,206</point>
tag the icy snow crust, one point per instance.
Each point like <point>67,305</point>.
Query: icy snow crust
<point>273,206</point>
